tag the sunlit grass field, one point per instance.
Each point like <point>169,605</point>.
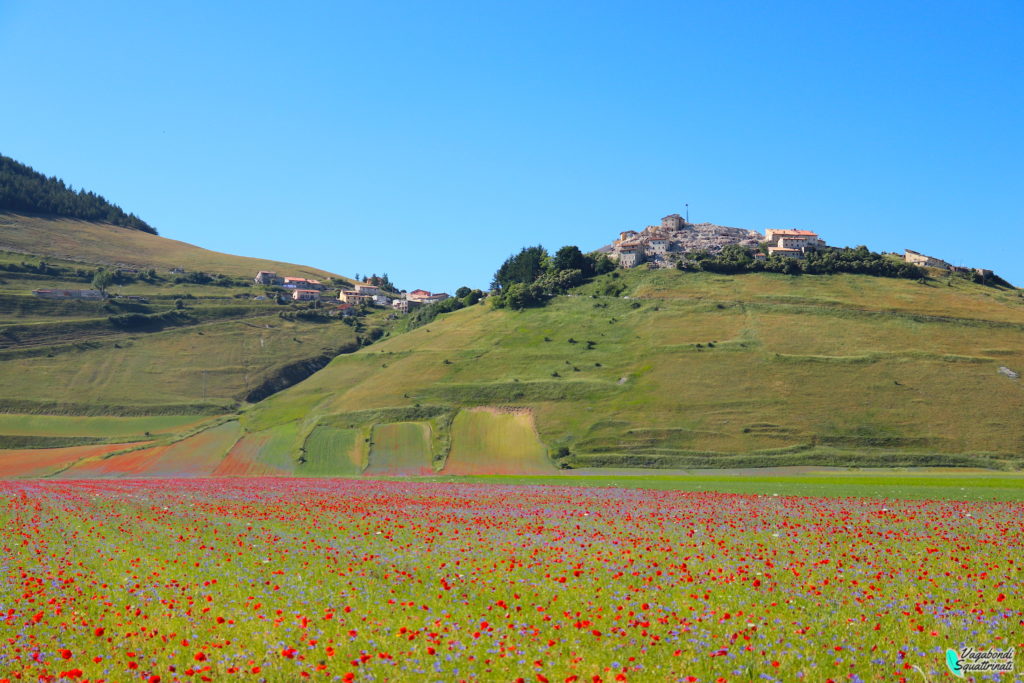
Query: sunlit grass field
<point>294,579</point>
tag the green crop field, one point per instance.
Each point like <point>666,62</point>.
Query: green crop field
<point>684,370</point>
<point>400,449</point>
<point>332,451</point>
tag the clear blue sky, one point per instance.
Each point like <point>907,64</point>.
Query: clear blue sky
<point>430,140</point>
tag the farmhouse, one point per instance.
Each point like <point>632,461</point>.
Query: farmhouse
<point>302,283</point>
<point>370,290</point>
<point>793,243</point>
<point>267,277</point>
<point>351,296</point>
<point>306,295</point>
<point>422,296</point>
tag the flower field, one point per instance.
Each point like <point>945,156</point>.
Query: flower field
<point>286,580</point>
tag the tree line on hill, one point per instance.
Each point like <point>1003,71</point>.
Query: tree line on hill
<point>24,189</point>
<point>532,276</point>
<point>860,260</point>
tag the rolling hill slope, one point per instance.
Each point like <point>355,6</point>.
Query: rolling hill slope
<point>105,371</point>
<point>102,244</point>
<point>695,369</point>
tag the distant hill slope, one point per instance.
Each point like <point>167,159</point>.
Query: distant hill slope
<point>106,245</point>
<point>672,369</point>
<point>165,344</point>
<point>25,190</point>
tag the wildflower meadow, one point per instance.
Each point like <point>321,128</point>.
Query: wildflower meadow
<point>290,579</point>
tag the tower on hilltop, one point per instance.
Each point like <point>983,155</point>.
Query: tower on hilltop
<point>672,222</point>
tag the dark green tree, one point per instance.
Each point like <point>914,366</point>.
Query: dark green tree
<point>524,268</point>
<point>570,257</point>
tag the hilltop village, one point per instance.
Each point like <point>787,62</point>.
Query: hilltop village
<point>374,291</point>
<point>670,243</point>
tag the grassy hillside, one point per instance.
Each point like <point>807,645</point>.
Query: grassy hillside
<point>672,369</point>
<point>123,370</point>
<point>109,245</point>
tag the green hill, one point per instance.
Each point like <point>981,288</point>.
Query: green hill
<point>698,369</point>
<point>196,341</point>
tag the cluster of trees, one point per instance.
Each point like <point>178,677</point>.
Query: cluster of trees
<point>532,276</point>
<point>859,260</point>
<point>24,189</point>
<point>464,297</point>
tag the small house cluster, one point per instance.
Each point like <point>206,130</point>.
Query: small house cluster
<point>363,293</point>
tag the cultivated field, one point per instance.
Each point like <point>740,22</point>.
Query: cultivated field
<point>288,579</point>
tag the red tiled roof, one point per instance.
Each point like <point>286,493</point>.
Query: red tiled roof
<point>802,233</point>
